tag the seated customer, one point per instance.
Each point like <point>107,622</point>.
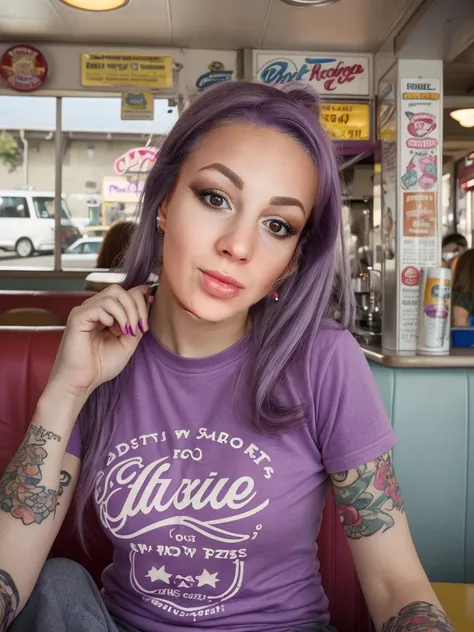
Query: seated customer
<point>453,246</point>
<point>463,290</point>
<point>111,252</point>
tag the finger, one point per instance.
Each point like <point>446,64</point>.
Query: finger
<point>116,330</point>
<point>88,319</point>
<point>140,295</point>
<point>123,297</point>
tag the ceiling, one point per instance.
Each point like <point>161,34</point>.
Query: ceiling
<point>459,75</point>
<point>348,25</point>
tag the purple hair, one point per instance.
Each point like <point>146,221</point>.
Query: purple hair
<point>314,291</point>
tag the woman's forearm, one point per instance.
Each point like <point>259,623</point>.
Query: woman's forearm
<point>415,608</point>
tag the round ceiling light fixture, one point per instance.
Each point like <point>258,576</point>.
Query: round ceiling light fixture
<point>96,5</point>
<point>464,117</point>
<point>309,3</point>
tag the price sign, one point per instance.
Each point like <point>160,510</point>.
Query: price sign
<point>346,121</point>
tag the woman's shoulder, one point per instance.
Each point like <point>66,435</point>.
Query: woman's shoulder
<point>463,300</point>
<point>332,348</point>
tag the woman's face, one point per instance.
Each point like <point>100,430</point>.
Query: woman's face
<point>234,218</point>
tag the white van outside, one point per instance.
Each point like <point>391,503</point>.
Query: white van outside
<point>27,222</point>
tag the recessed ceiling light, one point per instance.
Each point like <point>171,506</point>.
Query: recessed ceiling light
<point>96,5</point>
<point>464,117</point>
<point>309,3</point>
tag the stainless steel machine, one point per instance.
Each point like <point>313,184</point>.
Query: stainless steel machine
<point>367,288</point>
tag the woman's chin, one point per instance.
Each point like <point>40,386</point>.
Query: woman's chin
<point>210,313</point>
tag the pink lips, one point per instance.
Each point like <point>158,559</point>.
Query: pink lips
<point>220,285</point>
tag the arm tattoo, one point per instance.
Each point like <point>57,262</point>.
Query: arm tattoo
<point>21,494</point>
<point>419,616</point>
<point>366,497</point>
<point>9,600</point>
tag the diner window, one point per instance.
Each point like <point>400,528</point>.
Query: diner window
<point>102,177</point>
<point>27,164</point>
<point>105,164</point>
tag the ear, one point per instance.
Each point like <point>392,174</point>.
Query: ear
<point>163,212</point>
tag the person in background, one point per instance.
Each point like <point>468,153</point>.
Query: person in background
<point>111,252</point>
<point>115,244</point>
<point>453,246</point>
<point>462,299</point>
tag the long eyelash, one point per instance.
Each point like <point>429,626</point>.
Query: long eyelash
<point>290,231</point>
<point>202,193</point>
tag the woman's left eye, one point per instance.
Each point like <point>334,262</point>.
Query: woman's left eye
<point>213,199</point>
<point>279,228</point>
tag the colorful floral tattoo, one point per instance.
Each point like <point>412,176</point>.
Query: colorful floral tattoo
<point>419,616</point>
<point>366,496</point>
<point>21,493</point>
<point>9,600</point>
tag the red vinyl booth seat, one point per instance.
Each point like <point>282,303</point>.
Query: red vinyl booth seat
<point>26,359</point>
<point>60,303</point>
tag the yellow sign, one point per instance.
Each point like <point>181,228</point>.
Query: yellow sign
<point>138,105</point>
<point>111,70</point>
<point>346,121</point>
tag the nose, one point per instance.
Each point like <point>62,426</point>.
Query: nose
<point>238,241</point>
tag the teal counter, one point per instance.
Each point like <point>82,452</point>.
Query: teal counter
<point>430,402</point>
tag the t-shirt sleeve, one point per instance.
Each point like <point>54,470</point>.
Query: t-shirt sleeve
<point>74,445</point>
<point>352,425</point>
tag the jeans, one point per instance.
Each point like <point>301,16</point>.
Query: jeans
<point>66,599</point>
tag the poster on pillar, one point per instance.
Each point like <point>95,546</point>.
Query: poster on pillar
<point>419,195</point>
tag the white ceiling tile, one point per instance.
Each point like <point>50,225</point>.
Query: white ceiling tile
<point>348,25</point>
<point>224,24</point>
<point>142,21</point>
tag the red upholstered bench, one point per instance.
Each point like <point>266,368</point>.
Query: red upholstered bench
<point>26,359</point>
<point>60,303</point>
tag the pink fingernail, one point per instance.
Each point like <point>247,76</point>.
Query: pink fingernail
<point>140,325</point>
<point>150,299</point>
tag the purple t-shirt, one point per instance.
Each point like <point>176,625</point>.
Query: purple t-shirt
<point>214,524</point>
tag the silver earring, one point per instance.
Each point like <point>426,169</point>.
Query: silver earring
<point>158,223</point>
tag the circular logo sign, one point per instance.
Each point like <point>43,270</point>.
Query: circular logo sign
<point>410,276</point>
<point>23,68</point>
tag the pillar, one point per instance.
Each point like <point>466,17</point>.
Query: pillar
<point>410,125</point>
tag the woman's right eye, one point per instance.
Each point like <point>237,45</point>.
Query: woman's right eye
<point>214,199</point>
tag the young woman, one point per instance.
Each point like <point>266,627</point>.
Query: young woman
<point>211,425</point>
<point>463,290</point>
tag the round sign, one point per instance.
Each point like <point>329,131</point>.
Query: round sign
<point>410,276</point>
<point>23,68</point>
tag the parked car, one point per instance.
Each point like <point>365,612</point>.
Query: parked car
<point>27,222</point>
<point>82,253</point>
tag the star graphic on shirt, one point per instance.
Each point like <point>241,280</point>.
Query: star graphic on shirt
<point>159,575</point>
<point>206,579</point>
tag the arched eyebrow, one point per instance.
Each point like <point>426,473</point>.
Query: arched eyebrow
<point>287,201</point>
<point>239,183</point>
<point>228,173</point>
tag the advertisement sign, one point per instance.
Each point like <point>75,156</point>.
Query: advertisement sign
<point>139,160</point>
<point>346,121</point>
<point>138,106</point>
<point>204,69</point>
<point>109,70</point>
<point>216,73</point>
<point>419,194</point>
<point>23,68</point>
<point>332,74</point>
<point>122,189</point>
